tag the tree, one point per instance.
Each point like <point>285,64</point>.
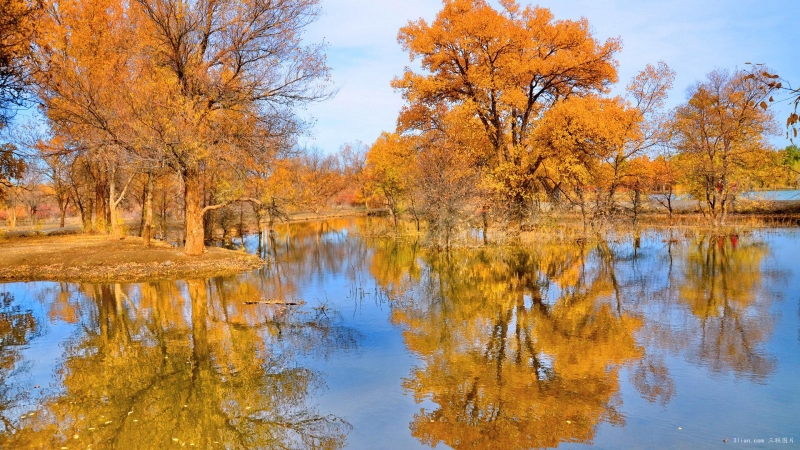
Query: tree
<point>664,181</point>
<point>790,161</point>
<point>85,71</point>
<point>230,70</point>
<point>353,160</point>
<point>506,68</point>
<point>12,167</point>
<point>720,137</point>
<point>318,178</point>
<point>56,170</point>
<point>584,140</point>
<point>593,145</point>
<point>390,164</point>
<point>445,184</point>
<point>16,27</point>
<point>193,86</point>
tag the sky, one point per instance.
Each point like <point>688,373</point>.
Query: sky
<point>692,37</point>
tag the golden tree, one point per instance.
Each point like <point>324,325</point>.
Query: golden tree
<point>506,67</point>
<point>720,134</point>
<point>390,165</point>
<point>194,86</point>
<point>225,69</point>
<point>85,72</point>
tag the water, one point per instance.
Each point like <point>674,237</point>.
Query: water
<point>779,195</point>
<point>677,341</point>
<point>770,195</point>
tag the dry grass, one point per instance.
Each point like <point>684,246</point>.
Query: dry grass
<point>103,259</point>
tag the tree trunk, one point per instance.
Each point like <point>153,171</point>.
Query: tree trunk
<point>63,210</point>
<point>81,202</point>
<point>90,222</point>
<point>102,213</point>
<point>113,220</point>
<point>485,218</point>
<point>163,222</point>
<point>193,212</point>
<point>147,229</point>
<point>144,209</point>
<point>12,216</point>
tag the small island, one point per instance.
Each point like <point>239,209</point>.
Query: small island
<point>103,258</point>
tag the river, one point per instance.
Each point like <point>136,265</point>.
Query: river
<point>675,340</point>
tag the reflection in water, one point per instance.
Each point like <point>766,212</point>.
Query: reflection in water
<point>522,348</point>
<point>164,363</point>
<point>17,327</point>
<point>526,347</point>
<point>509,365</point>
<point>721,287</point>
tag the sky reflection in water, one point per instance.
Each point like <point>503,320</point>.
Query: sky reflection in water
<point>673,341</point>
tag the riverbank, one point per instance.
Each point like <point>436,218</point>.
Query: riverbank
<point>94,258</point>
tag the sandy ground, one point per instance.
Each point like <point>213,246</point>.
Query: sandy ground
<point>103,258</point>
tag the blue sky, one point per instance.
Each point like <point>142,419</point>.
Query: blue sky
<point>693,37</point>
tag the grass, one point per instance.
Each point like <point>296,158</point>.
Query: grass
<point>93,258</point>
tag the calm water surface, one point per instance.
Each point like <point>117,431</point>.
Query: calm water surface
<point>673,342</point>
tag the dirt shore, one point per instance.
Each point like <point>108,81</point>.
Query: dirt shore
<point>92,258</point>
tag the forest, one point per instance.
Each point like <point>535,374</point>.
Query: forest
<point>173,111</point>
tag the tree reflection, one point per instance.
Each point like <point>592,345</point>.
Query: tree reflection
<point>521,348</point>
<point>170,363</point>
<point>721,286</point>
<point>17,328</point>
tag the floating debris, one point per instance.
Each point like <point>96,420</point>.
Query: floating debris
<point>273,301</point>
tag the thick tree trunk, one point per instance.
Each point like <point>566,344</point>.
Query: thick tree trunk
<point>92,219</point>
<point>86,221</point>
<point>11,222</point>
<point>102,212</point>
<point>485,218</point>
<point>63,210</point>
<point>193,212</point>
<point>147,228</point>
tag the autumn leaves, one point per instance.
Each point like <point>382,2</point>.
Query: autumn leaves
<point>195,89</point>
<point>511,110</point>
<point>522,100</point>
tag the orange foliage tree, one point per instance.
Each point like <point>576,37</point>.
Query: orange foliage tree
<point>593,146</point>
<point>390,170</point>
<point>505,67</point>
<point>193,86</point>
<point>720,134</point>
